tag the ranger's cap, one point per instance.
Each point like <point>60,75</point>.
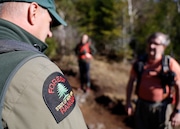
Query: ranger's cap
<point>47,4</point>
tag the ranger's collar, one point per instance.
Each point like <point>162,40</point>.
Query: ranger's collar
<point>10,31</point>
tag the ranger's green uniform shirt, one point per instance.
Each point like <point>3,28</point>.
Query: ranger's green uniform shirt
<point>39,96</point>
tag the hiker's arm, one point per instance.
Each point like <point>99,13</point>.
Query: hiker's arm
<point>177,87</point>
<point>129,90</point>
<point>93,49</point>
<point>175,117</point>
<point>175,67</point>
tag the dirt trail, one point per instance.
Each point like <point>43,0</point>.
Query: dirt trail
<point>103,106</point>
<point>100,112</point>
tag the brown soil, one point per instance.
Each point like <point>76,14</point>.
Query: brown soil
<point>103,106</point>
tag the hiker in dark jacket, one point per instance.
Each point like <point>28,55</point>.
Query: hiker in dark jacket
<point>154,88</point>
<point>84,51</point>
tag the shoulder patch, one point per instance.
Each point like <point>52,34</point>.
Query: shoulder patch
<point>58,96</point>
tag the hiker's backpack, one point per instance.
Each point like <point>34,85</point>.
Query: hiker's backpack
<point>166,75</point>
<point>10,62</point>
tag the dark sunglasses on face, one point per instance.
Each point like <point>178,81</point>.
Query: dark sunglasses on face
<point>155,43</point>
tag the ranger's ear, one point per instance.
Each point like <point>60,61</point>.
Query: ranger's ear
<point>32,12</point>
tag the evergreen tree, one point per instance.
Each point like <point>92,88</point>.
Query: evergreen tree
<point>62,90</point>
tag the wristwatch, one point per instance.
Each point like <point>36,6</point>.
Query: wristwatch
<point>177,110</point>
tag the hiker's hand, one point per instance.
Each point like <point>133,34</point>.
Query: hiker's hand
<point>129,110</point>
<point>175,119</point>
<point>88,55</point>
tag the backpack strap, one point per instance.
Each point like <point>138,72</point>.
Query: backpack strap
<point>164,70</point>
<point>139,68</point>
<point>167,75</point>
<point>165,63</point>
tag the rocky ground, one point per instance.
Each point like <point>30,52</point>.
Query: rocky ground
<point>103,106</point>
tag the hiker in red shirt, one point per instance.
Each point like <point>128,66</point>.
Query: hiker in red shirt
<point>84,51</point>
<point>154,87</point>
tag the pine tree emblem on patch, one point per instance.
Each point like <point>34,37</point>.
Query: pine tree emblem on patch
<point>58,96</point>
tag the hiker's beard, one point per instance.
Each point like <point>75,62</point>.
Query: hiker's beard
<point>154,55</point>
